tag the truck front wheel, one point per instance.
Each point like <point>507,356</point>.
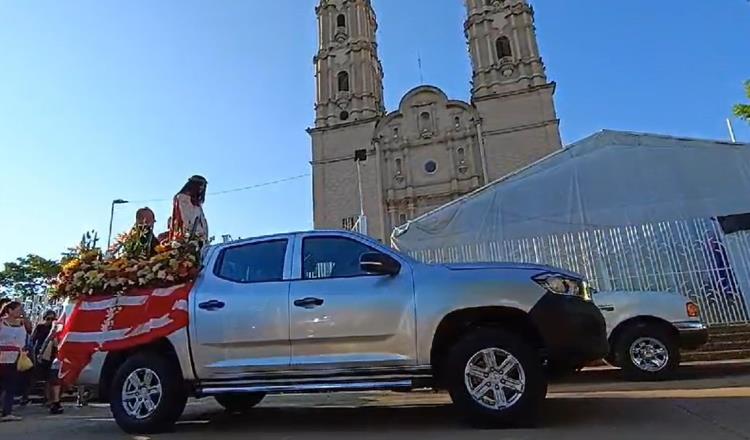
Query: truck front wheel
<point>496,379</point>
<point>647,351</point>
<point>147,394</point>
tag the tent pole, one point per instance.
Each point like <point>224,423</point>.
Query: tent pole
<point>731,131</point>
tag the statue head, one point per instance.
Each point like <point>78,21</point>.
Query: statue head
<point>196,189</point>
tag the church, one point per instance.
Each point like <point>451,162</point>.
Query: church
<point>432,149</point>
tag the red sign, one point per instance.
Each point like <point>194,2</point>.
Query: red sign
<point>119,322</point>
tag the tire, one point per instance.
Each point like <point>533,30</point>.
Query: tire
<point>239,403</point>
<point>654,356</point>
<point>152,370</point>
<point>486,412</point>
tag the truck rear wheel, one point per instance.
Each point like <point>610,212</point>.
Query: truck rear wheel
<point>237,403</point>
<point>496,379</point>
<point>147,394</point>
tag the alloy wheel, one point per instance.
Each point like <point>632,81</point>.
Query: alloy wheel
<point>649,354</point>
<point>141,393</point>
<point>495,378</point>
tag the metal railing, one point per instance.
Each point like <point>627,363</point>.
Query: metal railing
<point>694,258</point>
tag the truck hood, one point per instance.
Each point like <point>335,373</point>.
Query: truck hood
<point>518,266</point>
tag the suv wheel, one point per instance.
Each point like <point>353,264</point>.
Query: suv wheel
<point>496,379</point>
<point>147,394</point>
<point>647,352</point>
<point>235,403</point>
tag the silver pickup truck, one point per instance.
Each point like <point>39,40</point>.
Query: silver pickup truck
<point>336,311</point>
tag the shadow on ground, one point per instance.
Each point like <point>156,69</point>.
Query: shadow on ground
<point>685,372</point>
<point>588,414</point>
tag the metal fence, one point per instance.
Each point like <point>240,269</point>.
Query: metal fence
<point>694,258</point>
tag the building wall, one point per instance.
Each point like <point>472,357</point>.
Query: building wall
<point>431,150</point>
<point>335,185</point>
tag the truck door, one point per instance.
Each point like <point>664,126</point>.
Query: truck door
<point>240,310</point>
<point>343,317</point>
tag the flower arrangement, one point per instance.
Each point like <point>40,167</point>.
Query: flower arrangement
<point>132,263</point>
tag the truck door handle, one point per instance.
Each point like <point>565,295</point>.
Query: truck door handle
<point>211,305</point>
<point>308,303</point>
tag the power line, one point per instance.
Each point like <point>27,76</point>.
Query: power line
<point>232,190</point>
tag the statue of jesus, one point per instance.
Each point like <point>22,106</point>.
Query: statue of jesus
<point>187,210</point>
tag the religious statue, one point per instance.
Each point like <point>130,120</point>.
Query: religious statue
<point>187,210</point>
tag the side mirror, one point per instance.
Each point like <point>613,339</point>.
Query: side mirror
<point>377,263</point>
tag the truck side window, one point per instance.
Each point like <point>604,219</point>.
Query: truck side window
<point>332,257</point>
<point>253,263</point>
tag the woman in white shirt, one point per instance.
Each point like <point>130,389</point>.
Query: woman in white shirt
<point>13,335</point>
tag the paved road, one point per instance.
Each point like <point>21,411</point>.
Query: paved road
<point>710,404</point>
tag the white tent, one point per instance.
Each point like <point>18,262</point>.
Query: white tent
<point>609,179</point>
<point>629,211</point>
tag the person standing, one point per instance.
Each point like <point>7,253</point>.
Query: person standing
<point>13,335</point>
<point>187,210</point>
<point>38,337</point>
<point>44,347</point>
<point>45,357</point>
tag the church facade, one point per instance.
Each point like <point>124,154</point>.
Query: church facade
<point>431,149</point>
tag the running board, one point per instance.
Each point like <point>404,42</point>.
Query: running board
<point>307,387</point>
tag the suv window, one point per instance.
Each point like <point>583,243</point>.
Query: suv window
<point>253,263</point>
<point>332,257</point>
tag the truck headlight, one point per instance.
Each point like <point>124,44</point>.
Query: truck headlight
<point>564,285</point>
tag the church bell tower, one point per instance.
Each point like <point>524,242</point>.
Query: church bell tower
<point>348,105</point>
<point>509,85</point>
<point>348,72</point>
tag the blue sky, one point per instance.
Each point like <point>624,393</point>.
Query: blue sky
<point>105,99</point>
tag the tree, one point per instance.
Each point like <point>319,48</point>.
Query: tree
<point>29,275</point>
<point>742,111</point>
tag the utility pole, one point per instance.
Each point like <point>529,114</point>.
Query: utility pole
<point>359,157</point>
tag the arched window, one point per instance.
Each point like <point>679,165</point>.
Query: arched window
<point>399,170</point>
<point>461,155</point>
<point>343,79</point>
<point>502,45</point>
<point>457,121</point>
<point>341,20</point>
<point>425,122</point>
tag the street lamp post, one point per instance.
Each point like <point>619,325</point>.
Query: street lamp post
<point>111,218</point>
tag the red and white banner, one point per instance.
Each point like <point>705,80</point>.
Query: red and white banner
<point>119,322</point>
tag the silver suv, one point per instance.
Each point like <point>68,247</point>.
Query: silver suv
<point>336,311</point>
